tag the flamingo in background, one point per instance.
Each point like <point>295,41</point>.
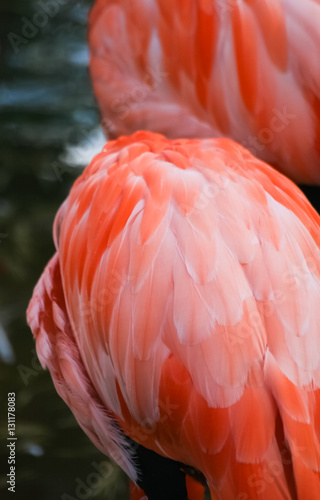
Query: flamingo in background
<point>179,317</point>
<point>248,70</point>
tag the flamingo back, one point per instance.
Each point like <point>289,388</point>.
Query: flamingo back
<point>248,70</point>
<point>182,309</point>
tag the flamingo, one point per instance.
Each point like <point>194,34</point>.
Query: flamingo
<point>244,69</point>
<point>179,318</point>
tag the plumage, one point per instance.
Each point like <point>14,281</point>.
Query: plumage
<point>247,70</point>
<point>180,310</point>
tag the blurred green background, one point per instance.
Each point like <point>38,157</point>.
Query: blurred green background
<point>48,130</point>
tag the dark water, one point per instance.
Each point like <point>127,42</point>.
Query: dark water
<point>46,106</point>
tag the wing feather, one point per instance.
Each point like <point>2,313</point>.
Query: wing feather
<point>247,70</point>
<point>193,351</point>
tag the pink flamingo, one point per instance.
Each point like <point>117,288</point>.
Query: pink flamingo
<point>244,69</point>
<point>179,317</point>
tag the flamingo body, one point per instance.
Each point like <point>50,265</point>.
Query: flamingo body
<point>181,309</point>
<point>248,70</point>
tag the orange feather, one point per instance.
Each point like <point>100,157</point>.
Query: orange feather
<point>244,69</point>
<point>181,309</point>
